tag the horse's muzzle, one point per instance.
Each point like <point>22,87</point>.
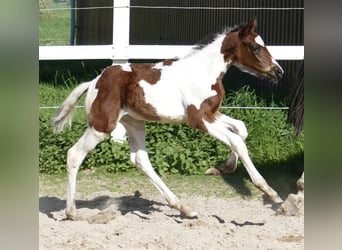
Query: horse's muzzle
<point>275,74</point>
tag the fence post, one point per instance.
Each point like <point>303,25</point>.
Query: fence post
<point>121,19</point>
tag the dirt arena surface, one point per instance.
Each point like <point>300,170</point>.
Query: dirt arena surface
<point>111,220</point>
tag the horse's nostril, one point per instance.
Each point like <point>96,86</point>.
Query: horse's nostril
<point>279,72</point>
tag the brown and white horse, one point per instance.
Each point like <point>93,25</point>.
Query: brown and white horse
<point>187,91</point>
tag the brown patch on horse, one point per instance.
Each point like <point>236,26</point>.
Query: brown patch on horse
<point>260,56</point>
<point>167,62</point>
<point>110,97</point>
<point>117,89</point>
<point>135,94</point>
<point>229,45</point>
<point>145,71</point>
<point>136,102</point>
<point>208,107</point>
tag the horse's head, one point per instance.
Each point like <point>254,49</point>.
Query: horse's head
<point>244,48</point>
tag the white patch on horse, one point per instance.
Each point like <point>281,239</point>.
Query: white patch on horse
<point>159,65</point>
<point>259,41</point>
<point>126,67</point>
<point>165,99</point>
<point>188,82</point>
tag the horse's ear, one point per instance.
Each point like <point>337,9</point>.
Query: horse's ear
<point>249,28</point>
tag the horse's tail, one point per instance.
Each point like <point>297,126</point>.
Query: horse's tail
<point>296,101</point>
<point>65,111</point>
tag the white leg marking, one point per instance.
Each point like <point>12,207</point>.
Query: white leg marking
<point>239,128</point>
<point>75,157</point>
<point>218,130</point>
<point>139,156</point>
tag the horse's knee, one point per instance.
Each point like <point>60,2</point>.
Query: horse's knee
<point>72,158</point>
<point>239,146</point>
<point>141,160</point>
<point>242,130</point>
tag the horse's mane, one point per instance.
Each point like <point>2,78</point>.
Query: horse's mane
<point>213,35</point>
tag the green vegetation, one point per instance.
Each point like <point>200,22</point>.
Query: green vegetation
<point>173,148</point>
<point>98,179</point>
<point>54,25</point>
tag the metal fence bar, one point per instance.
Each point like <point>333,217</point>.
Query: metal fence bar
<point>224,107</point>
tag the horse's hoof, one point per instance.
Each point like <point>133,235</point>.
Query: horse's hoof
<point>71,217</point>
<point>186,212</point>
<point>212,171</point>
<point>293,205</point>
<point>192,215</point>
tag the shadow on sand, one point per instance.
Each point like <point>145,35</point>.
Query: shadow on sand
<point>124,204</point>
<point>281,176</point>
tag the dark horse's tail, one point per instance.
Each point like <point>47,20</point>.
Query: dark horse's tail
<point>296,101</point>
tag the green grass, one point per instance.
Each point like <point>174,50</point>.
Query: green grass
<point>270,137</point>
<point>54,26</point>
<point>227,186</point>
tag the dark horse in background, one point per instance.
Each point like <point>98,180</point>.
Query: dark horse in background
<point>294,203</point>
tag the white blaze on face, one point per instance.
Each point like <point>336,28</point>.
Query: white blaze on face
<point>259,41</point>
<point>276,63</point>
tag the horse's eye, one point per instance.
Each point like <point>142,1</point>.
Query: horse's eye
<point>255,48</point>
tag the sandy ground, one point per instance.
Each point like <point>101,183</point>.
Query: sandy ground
<point>117,221</point>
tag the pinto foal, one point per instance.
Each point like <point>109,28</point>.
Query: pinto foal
<point>186,91</point>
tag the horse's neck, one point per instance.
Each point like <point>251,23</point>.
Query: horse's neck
<point>209,58</point>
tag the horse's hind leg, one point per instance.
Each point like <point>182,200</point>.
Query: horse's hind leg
<point>227,167</point>
<point>75,157</point>
<point>230,165</point>
<point>139,157</point>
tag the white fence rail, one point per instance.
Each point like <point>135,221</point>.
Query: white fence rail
<point>121,51</point>
<point>83,52</point>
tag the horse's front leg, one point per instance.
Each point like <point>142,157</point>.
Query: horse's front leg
<point>230,165</point>
<point>218,130</point>
<point>139,157</point>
